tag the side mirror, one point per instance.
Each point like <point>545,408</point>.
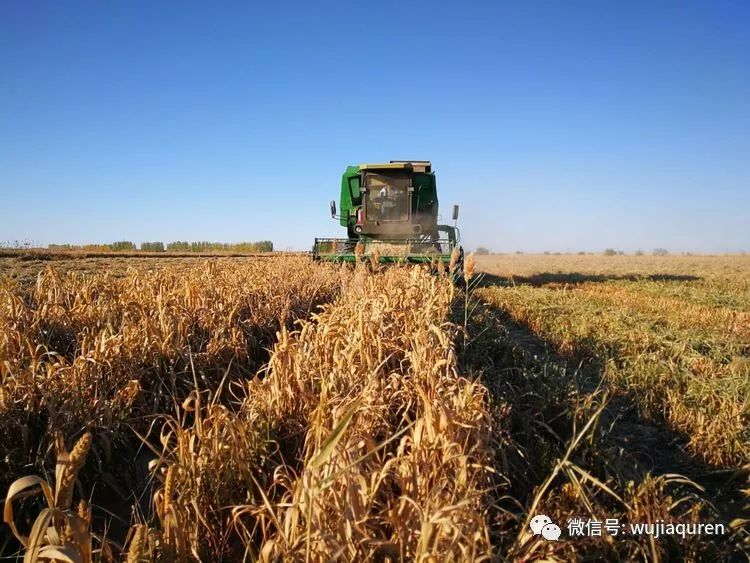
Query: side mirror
<point>333,209</point>
<point>455,212</point>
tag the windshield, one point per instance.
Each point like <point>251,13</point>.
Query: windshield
<point>387,197</point>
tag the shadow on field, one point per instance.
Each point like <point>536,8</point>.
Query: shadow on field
<point>542,395</point>
<point>576,278</point>
<point>646,446</point>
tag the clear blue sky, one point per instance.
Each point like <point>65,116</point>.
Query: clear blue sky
<point>559,126</point>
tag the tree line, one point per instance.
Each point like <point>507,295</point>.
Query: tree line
<point>175,246</point>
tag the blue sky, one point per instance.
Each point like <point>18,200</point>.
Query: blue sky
<point>559,126</point>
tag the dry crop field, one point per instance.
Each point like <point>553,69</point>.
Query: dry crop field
<point>185,409</point>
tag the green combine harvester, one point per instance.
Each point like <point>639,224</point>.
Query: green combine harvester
<point>390,212</point>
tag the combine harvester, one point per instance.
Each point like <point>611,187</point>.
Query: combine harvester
<point>390,212</point>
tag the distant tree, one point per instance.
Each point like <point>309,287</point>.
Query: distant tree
<point>122,245</point>
<point>639,252</point>
<point>207,246</point>
<point>519,252</point>
<point>546,252</point>
<point>152,246</point>
<point>610,252</point>
<point>482,251</point>
<point>582,253</point>
<point>660,252</point>
<point>178,246</point>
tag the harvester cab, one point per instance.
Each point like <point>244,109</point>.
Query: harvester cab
<point>390,212</point>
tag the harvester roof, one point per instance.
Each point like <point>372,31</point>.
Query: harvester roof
<point>412,165</point>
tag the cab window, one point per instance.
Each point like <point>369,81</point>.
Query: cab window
<point>387,197</point>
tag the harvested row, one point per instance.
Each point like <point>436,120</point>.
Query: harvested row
<point>677,310</point>
<point>361,441</point>
<point>695,379</point>
<point>730,294</point>
<point>571,267</point>
<point>567,448</point>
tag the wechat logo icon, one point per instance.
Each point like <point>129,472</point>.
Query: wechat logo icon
<point>543,525</point>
